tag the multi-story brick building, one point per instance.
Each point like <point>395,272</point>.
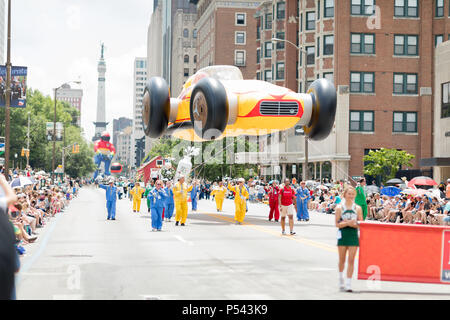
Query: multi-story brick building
<point>227,34</point>
<point>380,52</point>
<point>72,96</point>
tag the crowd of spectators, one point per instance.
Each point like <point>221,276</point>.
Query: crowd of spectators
<point>37,202</point>
<point>426,208</point>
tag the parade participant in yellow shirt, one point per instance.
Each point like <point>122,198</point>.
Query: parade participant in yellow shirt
<point>137,192</point>
<point>180,196</point>
<point>240,197</point>
<point>219,195</point>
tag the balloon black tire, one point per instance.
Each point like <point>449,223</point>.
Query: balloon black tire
<point>159,107</point>
<point>323,115</point>
<point>217,104</point>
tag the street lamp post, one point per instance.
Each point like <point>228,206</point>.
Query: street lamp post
<point>28,140</point>
<point>8,93</point>
<point>300,51</point>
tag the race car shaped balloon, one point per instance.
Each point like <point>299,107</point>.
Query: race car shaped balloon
<point>216,102</point>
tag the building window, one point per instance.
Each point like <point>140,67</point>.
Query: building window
<point>328,11</point>
<point>195,59</point>
<point>328,45</point>
<point>281,10</point>
<point>363,82</point>
<point>280,44</point>
<point>405,122</point>
<point>310,55</point>
<point>439,8</point>
<point>329,76</point>
<point>406,8</point>
<point>258,76</point>
<point>362,121</point>
<point>194,33</point>
<point>362,43</point>
<point>240,19</point>
<point>445,110</point>
<point>438,39</point>
<point>405,83</point>
<point>186,33</point>
<point>406,45</point>
<point>240,37</point>
<point>308,84</point>
<point>301,22</point>
<point>318,46</point>
<point>280,70</point>
<point>258,32</point>
<point>186,58</point>
<point>363,7</point>
<point>268,75</point>
<point>268,25</point>
<point>310,20</point>
<point>258,55</point>
<point>268,49</point>
<point>186,72</point>
<point>239,58</point>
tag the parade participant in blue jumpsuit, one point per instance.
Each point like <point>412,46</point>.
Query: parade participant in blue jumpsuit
<point>111,197</point>
<point>194,192</point>
<point>157,198</point>
<point>170,203</point>
<point>302,202</point>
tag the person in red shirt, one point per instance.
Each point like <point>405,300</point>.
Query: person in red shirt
<point>274,192</point>
<point>287,201</point>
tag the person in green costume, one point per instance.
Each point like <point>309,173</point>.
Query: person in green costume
<point>360,199</point>
<point>149,189</point>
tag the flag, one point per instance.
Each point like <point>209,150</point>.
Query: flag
<point>2,148</point>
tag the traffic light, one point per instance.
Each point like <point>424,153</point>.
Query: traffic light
<point>75,148</point>
<point>27,153</point>
<point>23,152</point>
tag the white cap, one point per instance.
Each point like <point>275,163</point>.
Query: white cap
<point>241,180</point>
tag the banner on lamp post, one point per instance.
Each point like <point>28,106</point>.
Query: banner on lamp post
<point>18,87</point>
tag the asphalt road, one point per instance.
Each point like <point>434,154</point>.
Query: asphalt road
<point>81,255</point>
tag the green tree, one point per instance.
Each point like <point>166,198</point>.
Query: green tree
<point>386,162</point>
<point>41,109</point>
<point>211,168</point>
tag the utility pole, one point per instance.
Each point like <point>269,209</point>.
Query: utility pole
<point>306,136</point>
<point>54,140</point>
<point>28,140</point>
<point>8,93</point>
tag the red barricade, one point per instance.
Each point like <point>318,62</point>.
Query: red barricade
<point>404,252</point>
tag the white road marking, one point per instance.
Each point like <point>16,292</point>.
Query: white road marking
<point>183,240</point>
<point>159,297</point>
<point>43,274</point>
<point>249,296</point>
<point>68,297</point>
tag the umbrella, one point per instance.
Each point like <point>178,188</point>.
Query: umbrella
<point>21,182</point>
<point>323,187</point>
<point>394,181</point>
<point>372,189</point>
<point>415,192</point>
<point>40,172</point>
<point>390,191</point>
<point>422,181</point>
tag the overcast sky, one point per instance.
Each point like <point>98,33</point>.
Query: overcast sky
<point>59,41</point>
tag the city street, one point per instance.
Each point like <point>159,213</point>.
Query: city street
<point>81,255</point>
